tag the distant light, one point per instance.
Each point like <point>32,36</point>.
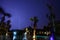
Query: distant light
<point>45,33</point>
<point>25,33</point>
<point>51,38</point>
<point>14,33</point>
<point>27,30</point>
<point>25,36</point>
<point>34,36</point>
<point>6,34</point>
<point>14,37</point>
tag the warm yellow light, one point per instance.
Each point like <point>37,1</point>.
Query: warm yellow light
<point>34,36</point>
<point>27,30</point>
<point>34,39</point>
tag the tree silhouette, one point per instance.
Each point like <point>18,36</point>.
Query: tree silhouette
<point>52,20</point>
<point>52,15</point>
<point>35,20</point>
<point>4,25</point>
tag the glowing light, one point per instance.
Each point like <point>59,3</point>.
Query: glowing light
<point>14,37</point>
<point>51,38</point>
<point>6,34</point>
<point>34,36</point>
<point>45,33</point>
<point>27,30</point>
<point>25,36</point>
<point>14,33</point>
<point>25,33</point>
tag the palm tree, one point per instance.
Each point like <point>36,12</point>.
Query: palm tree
<point>35,20</point>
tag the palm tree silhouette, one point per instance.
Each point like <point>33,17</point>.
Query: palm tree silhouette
<point>7,24</point>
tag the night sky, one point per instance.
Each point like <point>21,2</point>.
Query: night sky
<point>23,10</point>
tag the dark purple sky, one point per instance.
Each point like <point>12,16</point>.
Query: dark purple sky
<point>23,10</point>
